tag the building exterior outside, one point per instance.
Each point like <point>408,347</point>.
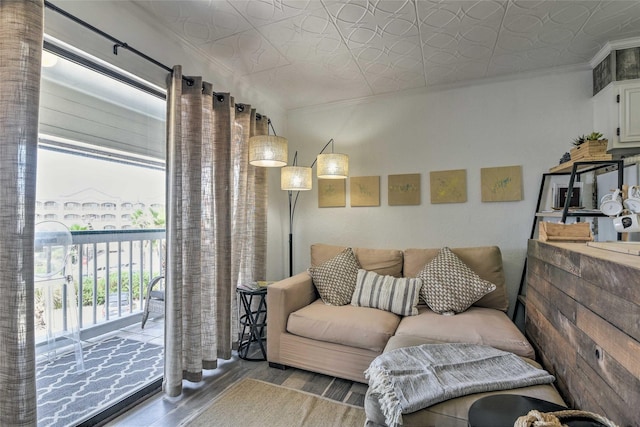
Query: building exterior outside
<point>93,209</point>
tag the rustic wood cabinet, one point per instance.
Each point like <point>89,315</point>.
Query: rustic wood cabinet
<point>583,319</point>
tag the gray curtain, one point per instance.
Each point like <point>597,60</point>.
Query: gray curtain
<point>249,201</point>
<point>216,225</point>
<point>21,35</point>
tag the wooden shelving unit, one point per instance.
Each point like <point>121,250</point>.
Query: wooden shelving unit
<point>567,166</point>
<point>577,168</point>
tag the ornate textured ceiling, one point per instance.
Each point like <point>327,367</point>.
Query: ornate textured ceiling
<point>306,52</point>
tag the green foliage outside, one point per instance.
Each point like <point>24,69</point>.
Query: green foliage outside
<point>150,219</point>
<point>87,289</point>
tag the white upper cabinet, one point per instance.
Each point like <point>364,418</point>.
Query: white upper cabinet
<point>629,111</point>
<point>616,113</point>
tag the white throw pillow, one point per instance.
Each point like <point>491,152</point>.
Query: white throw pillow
<point>449,286</point>
<point>394,294</point>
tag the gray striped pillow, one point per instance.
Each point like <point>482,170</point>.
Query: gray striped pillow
<point>397,295</point>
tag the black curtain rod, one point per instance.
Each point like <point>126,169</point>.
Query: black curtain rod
<point>117,43</point>
<point>121,44</point>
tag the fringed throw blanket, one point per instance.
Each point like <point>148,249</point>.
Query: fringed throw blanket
<point>411,378</point>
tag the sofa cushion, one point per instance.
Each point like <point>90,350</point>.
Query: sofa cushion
<point>452,412</point>
<point>382,261</point>
<point>449,286</point>
<point>395,294</point>
<point>335,279</point>
<point>477,325</point>
<point>485,261</point>
<point>360,327</point>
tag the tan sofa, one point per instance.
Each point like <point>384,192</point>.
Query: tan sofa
<point>342,341</point>
<point>453,412</point>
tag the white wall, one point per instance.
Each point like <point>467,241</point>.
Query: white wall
<point>529,121</point>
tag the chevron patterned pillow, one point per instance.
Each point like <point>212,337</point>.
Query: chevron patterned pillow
<point>336,278</point>
<point>449,286</point>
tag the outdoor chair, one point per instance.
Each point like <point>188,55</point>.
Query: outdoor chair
<point>154,300</point>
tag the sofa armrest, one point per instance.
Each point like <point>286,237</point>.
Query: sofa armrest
<point>283,298</point>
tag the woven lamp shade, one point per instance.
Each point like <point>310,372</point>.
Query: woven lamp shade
<point>268,151</point>
<point>295,178</point>
<point>333,166</point>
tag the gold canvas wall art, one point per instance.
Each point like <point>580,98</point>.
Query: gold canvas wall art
<point>404,189</point>
<point>365,190</point>
<point>332,193</point>
<point>448,186</point>
<point>501,184</point>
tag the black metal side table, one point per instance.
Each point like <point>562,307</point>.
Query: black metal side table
<point>253,321</point>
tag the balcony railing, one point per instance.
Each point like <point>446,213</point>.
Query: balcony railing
<point>109,271</point>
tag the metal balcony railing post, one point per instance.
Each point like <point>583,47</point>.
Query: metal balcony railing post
<point>89,246</point>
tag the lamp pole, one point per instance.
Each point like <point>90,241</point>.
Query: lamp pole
<point>291,209</point>
<point>293,201</point>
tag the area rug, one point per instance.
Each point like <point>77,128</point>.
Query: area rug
<point>253,403</point>
<point>114,368</point>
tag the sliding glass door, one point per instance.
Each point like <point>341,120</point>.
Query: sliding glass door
<point>100,238</point>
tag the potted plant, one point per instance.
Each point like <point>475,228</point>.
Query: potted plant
<point>589,146</point>
<point>578,140</point>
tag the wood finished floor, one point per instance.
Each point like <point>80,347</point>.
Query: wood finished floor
<point>161,411</point>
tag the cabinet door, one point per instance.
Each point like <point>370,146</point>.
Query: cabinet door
<point>630,112</point>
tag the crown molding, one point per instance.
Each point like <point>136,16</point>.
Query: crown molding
<point>611,46</point>
<point>427,89</point>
